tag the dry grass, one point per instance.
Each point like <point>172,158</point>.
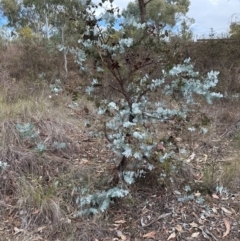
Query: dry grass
<point>229,177</point>
<point>40,189</point>
<point>218,152</point>
<point>222,173</point>
<point>38,202</point>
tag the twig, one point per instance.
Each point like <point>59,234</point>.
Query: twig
<point>160,217</point>
<point>207,232</point>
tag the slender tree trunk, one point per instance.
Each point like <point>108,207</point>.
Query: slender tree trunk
<point>142,8</point>
<point>46,22</point>
<point>64,54</point>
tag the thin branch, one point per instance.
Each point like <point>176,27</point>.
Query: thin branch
<point>160,217</point>
<point>120,82</point>
<point>105,132</point>
<point>142,94</point>
<point>120,91</point>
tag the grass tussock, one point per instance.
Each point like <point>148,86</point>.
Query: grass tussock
<point>230,175</point>
<point>38,203</point>
<point>41,185</point>
<point>222,175</point>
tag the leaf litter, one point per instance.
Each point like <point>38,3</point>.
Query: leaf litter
<point>154,212</point>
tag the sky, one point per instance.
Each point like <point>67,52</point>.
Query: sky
<point>2,20</point>
<point>215,14</point>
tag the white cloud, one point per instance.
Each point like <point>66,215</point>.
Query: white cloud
<point>216,14</point>
<point>214,2</point>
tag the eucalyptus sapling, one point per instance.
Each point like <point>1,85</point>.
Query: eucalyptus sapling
<point>136,68</point>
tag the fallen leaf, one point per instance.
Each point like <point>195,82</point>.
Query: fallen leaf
<point>120,221</point>
<point>226,210</point>
<point>68,220</point>
<point>35,212</point>
<point>84,161</point>
<point>150,235</point>
<point>195,215</point>
<point>214,210</point>
<point>198,176</point>
<point>178,139</point>
<point>225,198</point>
<point>40,229</point>
<point>17,230</point>
<point>116,225</point>
<point>197,194</point>
<point>215,196</point>
<point>177,192</point>
<point>194,225</point>
<point>179,228</point>
<point>192,156</point>
<point>173,235</point>
<point>194,235</point>
<point>202,220</point>
<point>228,228</point>
<point>205,157</point>
<point>233,211</point>
<point>120,235</point>
<point>160,147</point>
<point>38,238</point>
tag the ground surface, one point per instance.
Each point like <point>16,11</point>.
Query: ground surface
<point>150,212</point>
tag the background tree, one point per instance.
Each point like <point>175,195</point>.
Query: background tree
<point>185,32</point>
<point>56,20</point>
<point>159,12</point>
<point>43,17</point>
<point>235,30</point>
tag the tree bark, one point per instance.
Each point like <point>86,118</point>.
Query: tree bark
<point>142,7</point>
